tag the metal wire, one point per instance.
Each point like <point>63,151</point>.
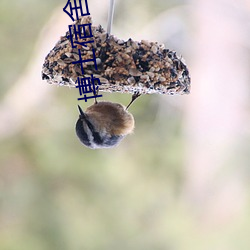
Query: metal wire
<point>110,16</point>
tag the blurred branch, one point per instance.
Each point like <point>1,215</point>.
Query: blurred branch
<point>29,91</point>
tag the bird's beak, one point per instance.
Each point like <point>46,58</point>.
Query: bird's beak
<point>82,115</point>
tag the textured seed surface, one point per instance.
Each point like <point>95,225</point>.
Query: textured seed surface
<point>122,66</point>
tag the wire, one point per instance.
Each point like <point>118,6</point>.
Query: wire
<point>110,16</point>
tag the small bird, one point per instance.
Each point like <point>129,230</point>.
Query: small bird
<point>104,124</point>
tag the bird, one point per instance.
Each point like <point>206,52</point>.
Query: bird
<point>104,124</point>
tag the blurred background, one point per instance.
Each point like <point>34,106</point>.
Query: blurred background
<point>180,182</point>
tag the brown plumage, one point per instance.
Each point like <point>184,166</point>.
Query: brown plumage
<point>111,117</point>
<point>104,125</point>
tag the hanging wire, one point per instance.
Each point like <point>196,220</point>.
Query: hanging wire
<point>110,15</point>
